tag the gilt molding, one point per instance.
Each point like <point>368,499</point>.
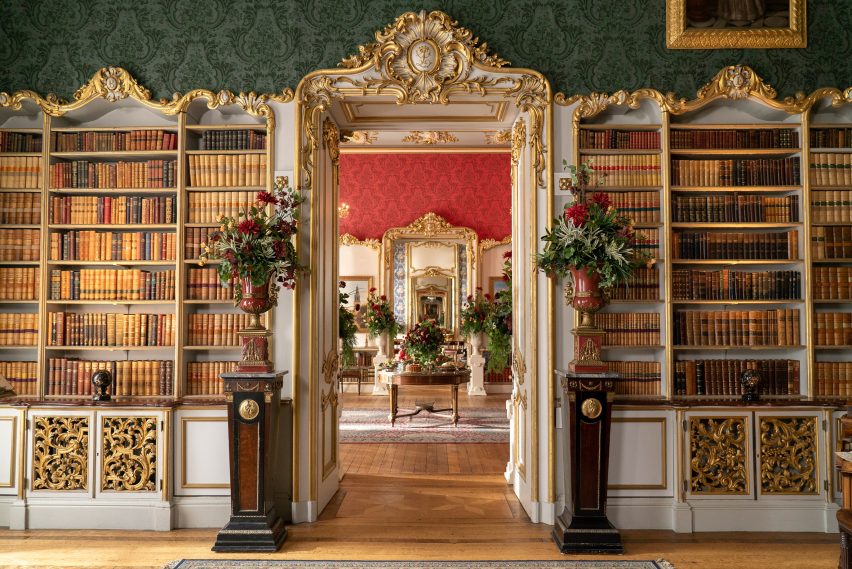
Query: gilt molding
<point>347,239</point>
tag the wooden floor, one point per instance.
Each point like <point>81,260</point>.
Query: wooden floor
<point>433,514</point>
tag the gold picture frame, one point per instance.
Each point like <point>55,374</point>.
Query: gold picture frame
<point>363,284</point>
<point>682,34</point>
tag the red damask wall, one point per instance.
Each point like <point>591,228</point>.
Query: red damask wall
<point>392,190</point>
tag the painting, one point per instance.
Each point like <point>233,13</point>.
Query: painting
<point>497,284</point>
<point>357,288</point>
<point>732,24</point>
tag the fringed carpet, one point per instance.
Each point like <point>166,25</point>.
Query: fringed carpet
<point>476,425</point>
<point>283,564</point>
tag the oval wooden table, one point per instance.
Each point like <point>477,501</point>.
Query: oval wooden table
<point>424,378</point>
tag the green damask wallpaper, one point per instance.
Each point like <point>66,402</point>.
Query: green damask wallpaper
<point>266,45</point>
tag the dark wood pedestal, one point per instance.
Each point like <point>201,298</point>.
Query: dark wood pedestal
<point>587,408</point>
<point>252,429</point>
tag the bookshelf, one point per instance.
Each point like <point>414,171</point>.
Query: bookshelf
<point>101,219</point>
<point>627,145</point>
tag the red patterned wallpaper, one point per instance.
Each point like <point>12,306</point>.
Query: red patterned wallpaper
<point>392,190</point>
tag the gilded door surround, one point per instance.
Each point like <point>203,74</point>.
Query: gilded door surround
<point>421,58</point>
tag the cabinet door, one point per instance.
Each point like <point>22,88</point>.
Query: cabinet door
<point>641,453</point>
<point>837,492</point>
<point>59,455</point>
<point>718,454</point>
<point>789,448</point>
<point>128,461</point>
<point>202,466</point>
<point>11,449</point>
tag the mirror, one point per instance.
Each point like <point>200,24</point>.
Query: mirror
<point>432,298</point>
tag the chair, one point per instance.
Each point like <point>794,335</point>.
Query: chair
<point>352,374</point>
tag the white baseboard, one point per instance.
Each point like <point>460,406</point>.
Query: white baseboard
<point>5,505</point>
<point>201,511</point>
<point>47,513</point>
<point>751,515</point>
<point>304,512</point>
<point>498,387</point>
<point>640,513</point>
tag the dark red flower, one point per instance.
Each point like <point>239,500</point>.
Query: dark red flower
<point>507,254</point>
<point>383,297</point>
<point>373,289</point>
<point>248,227</point>
<point>487,296</point>
<point>266,198</point>
<point>602,199</point>
<point>341,284</point>
<point>577,214</point>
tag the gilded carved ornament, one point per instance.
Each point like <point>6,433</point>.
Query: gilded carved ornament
<point>487,244</point>
<point>519,138</point>
<point>349,239</point>
<point>788,455</point>
<point>363,137</point>
<point>330,366</point>
<point>129,454</point>
<point>430,225</point>
<point>430,137</point>
<point>331,137</point>
<point>518,365</point>
<point>718,455</point>
<point>423,57</point>
<point>496,137</point>
<point>60,453</point>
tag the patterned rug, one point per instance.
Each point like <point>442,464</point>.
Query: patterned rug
<point>476,425</point>
<point>284,564</point>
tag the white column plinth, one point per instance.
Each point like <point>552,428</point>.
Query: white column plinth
<point>379,388</point>
<point>476,386</point>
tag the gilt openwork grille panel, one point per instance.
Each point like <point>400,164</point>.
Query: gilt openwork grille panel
<point>788,455</point>
<point>129,454</point>
<point>60,453</point>
<point>718,455</point>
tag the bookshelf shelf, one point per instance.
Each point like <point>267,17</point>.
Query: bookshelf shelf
<point>735,225</point>
<point>734,151</point>
<point>618,151</point>
<point>144,154</point>
<point>208,301</point>
<point>19,226</point>
<point>647,225</point>
<point>202,127</point>
<point>628,347</point>
<point>832,300</point>
<point>121,264</point>
<point>21,190</point>
<point>19,154</point>
<point>19,301</point>
<point>820,347</point>
<point>637,301</point>
<point>750,348</point>
<point>628,188</point>
<point>115,226</point>
<point>19,263</point>
<point>830,261</point>
<point>247,151</point>
<point>844,150</point>
<point>115,191</point>
<point>832,224</point>
<point>122,128</point>
<point>737,189</point>
<point>234,188</point>
<point>212,348</point>
<point>208,262</point>
<point>737,302</point>
<point>19,347</point>
<point>730,126</point>
<point>113,302</point>
<point>736,261</point>
<point>22,130</point>
<point>110,348</point>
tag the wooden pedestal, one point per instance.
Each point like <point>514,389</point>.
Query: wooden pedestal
<point>252,427</point>
<point>587,407</point>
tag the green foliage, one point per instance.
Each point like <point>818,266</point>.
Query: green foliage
<point>423,342</point>
<point>379,316</point>
<point>346,329</point>
<point>499,328</point>
<point>476,313</point>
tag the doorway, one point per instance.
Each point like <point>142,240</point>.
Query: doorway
<point>423,74</point>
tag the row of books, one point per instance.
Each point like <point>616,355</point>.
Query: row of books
<point>121,174</point>
<point>208,207</point>
<point>216,329</point>
<point>832,283</point>
<point>19,244</point>
<point>726,284</point>
<point>18,329</point>
<point>112,246</point>
<point>724,245</point>
<point>20,208</point>
<point>110,329</point>
<point>637,378</point>
<point>735,208</point>
<point>833,379</point>
<point>611,138</point>
<point>776,327</point>
<point>833,328</point>
<point>648,241</point>
<point>641,207</point>
<point>212,170</point>
<point>831,169</point>
<point>831,242</point>
<point>202,378</point>
<point>112,141</point>
<point>20,172</point>
<point>834,137</point>
<point>19,141</point>
<point>193,239</point>
<point>109,210</point>
<point>740,172</point>
<point>638,170</point>
<point>23,376</point>
<point>232,140</point>
<point>136,378</point>
<point>204,284</point>
<point>643,284</point>
<point>734,139</point>
<point>722,377</point>
<point>630,328</point>
<point>111,284</point>
<point>19,283</point>
<point>831,206</point>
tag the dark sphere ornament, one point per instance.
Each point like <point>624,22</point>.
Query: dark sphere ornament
<point>750,378</point>
<point>101,379</point>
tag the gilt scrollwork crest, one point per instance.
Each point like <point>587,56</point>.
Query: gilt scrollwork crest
<point>424,56</point>
<point>349,239</point>
<point>487,244</point>
<point>129,454</point>
<point>331,137</point>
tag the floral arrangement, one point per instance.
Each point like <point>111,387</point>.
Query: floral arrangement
<point>423,342</point>
<point>591,234</point>
<point>475,313</point>
<point>499,329</point>
<point>346,327</point>
<point>258,243</point>
<point>379,317</point>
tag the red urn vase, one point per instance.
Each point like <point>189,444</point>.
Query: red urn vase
<point>254,339</point>
<point>586,297</point>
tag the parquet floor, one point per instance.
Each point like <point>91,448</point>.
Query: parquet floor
<point>430,514</point>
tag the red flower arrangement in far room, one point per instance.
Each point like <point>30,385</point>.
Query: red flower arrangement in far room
<point>257,245</point>
<point>423,343</point>
<point>379,317</point>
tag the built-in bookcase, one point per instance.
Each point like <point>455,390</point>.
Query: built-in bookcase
<point>21,184</point>
<point>103,206</point>
<point>228,161</point>
<point>829,190</point>
<point>627,146</point>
